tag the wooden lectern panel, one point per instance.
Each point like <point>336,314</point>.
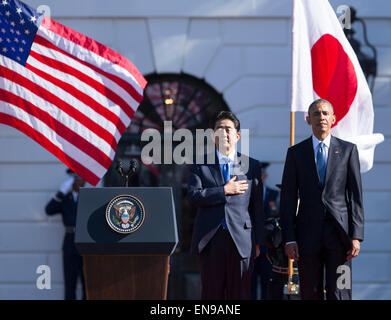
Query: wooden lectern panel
<point>126,277</point>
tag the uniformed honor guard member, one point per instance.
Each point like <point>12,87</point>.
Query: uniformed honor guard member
<point>65,203</point>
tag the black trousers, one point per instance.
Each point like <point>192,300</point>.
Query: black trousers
<point>225,275</point>
<point>326,269</point>
<point>263,272</point>
<point>73,268</point>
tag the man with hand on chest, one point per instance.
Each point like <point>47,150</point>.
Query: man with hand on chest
<point>228,229</point>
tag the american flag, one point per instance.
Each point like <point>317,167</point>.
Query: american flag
<point>71,94</point>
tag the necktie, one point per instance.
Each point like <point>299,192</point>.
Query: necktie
<point>321,162</point>
<point>226,177</point>
<point>226,174</point>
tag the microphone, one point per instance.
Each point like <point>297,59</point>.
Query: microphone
<point>127,168</point>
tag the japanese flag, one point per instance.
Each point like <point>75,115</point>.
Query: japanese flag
<point>325,66</point>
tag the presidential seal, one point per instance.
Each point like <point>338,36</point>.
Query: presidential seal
<point>125,214</point>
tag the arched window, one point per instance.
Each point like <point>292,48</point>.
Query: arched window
<point>186,101</point>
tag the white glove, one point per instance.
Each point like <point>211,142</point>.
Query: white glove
<point>67,185</point>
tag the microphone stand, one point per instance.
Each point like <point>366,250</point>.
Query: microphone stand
<point>126,169</point>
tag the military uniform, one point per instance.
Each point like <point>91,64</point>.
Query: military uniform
<point>279,261</point>
<point>66,205</point>
<point>262,265</point>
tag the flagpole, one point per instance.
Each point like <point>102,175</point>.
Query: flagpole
<point>292,134</point>
<point>292,142</point>
<point>290,261</point>
<point>292,120</point>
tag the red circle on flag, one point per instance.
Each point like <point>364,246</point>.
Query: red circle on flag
<point>333,75</point>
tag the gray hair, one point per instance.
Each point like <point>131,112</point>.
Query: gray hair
<point>317,101</point>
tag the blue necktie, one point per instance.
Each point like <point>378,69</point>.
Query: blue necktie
<point>321,162</point>
<point>226,176</point>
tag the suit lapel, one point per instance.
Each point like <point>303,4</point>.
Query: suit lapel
<point>216,171</point>
<point>237,167</point>
<point>332,159</point>
<point>310,160</point>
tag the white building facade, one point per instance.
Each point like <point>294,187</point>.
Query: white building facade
<point>240,48</point>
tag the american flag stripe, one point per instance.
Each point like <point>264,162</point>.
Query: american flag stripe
<point>8,117</point>
<point>42,126</point>
<point>72,95</point>
<point>65,71</point>
<point>127,92</point>
<point>90,59</point>
<point>51,104</point>
<point>56,126</point>
<point>114,59</point>
<point>62,56</point>
<point>101,110</point>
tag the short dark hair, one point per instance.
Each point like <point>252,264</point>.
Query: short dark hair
<point>317,101</point>
<point>225,115</point>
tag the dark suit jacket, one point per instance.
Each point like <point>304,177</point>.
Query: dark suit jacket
<point>341,197</point>
<point>243,213</point>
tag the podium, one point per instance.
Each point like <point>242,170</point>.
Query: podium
<point>129,258</point>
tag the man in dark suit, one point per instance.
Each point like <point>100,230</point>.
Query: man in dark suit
<point>324,173</point>
<point>65,203</point>
<point>262,265</point>
<point>228,229</point>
